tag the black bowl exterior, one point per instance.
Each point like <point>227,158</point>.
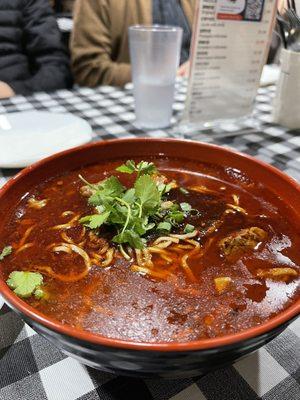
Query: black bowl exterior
<point>151,364</point>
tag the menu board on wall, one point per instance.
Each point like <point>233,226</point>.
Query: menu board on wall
<point>230,45</point>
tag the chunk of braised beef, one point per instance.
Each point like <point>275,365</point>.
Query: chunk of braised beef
<point>242,241</point>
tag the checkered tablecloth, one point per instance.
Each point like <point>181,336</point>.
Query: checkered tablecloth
<point>32,369</point>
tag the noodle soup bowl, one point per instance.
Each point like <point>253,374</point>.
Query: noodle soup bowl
<point>161,359</point>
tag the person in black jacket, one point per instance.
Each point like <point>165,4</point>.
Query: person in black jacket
<point>32,57</point>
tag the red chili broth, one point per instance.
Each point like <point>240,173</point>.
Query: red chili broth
<point>119,303</point>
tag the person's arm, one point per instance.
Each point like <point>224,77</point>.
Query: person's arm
<point>5,90</point>
<point>46,56</point>
<point>91,47</point>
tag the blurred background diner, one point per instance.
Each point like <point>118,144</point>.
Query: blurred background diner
<point>32,55</point>
<point>42,41</point>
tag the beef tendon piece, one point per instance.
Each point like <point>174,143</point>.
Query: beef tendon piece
<point>284,274</point>
<point>242,241</point>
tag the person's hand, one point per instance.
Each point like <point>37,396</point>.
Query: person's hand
<point>5,90</point>
<point>184,69</point>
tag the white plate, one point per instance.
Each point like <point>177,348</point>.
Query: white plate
<point>1,302</point>
<point>26,137</point>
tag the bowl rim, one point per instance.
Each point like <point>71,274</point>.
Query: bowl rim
<point>96,339</point>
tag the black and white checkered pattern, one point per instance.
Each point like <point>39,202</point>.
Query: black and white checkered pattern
<point>32,369</point>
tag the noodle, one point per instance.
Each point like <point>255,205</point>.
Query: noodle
<point>201,189</point>
<point>104,249</point>
<point>179,250</point>
<point>66,238</point>
<point>186,267</point>
<point>185,246</point>
<point>25,236</point>
<point>143,257</point>
<point>109,257</point>
<point>67,213</point>
<point>147,271</point>
<point>163,253</point>
<point>24,247</point>
<point>186,235</point>
<point>236,199</point>
<point>63,278</point>
<point>164,245</point>
<point>193,242</point>
<point>97,257</point>
<point>97,242</point>
<point>68,225</point>
<point>166,238</point>
<point>138,255</point>
<point>81,252</point>
<point>124,254</point>
<point>147,258</point>
<point>65,247</point>
<point>237,208</point>
<point>166,258</point>
<point>184,263</point>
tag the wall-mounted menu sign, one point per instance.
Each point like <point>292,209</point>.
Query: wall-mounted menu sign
<point>230,44</point>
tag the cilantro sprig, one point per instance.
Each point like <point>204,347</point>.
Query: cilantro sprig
<point>134,212</point>
<point>142,168</point>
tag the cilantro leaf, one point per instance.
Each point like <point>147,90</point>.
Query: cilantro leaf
<point>165,188</point>
<point>111,186</point>
<point>5,252</point>
<point>95,221</point>
<point>142,225</point>
<point>130,237</point>
<point>127,168</point>
<point>118,215</point>
<point>146,191</point>
<point>129,196</point>
<point>25,283</point>
<point>146,168</point>
<point>106,190</point>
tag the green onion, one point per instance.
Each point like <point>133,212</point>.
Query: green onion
<point>183,190</point>
<point>189,228</point>
<point>185,207</point>
<point>164,226</point>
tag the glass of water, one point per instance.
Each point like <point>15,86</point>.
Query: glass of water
<point>155,54</point>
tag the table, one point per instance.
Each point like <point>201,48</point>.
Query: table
<point>32,369</point>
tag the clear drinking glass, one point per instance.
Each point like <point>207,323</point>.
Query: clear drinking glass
<point>155,54</point>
